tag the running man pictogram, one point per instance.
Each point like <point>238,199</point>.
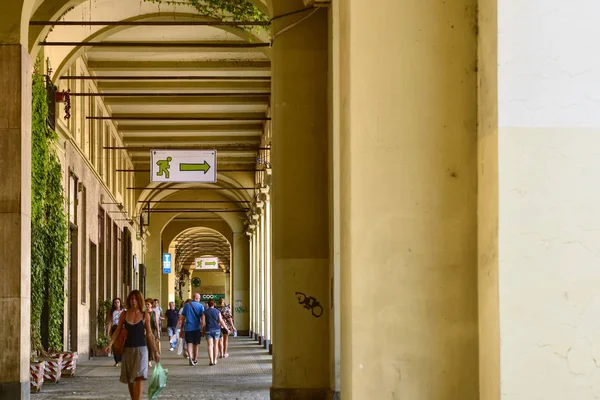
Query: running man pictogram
<point>163,167</point>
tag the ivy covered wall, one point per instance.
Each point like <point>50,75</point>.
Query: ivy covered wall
<point>48,229</point>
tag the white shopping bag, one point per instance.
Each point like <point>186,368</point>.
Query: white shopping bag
<point>180,347</point>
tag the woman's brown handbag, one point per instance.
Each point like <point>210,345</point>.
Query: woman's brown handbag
<point>119,345</point>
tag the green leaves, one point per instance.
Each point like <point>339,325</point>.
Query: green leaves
<point>224,10</point>
<point>48,227</point>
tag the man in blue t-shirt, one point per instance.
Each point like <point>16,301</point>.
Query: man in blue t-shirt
<point>192,316</point>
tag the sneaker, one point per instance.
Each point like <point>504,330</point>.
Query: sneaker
<point>171,349</point>
<point>191,361</point>
<point>195,362</point>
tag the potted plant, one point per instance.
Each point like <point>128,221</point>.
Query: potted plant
<point>103,339</point>
<point>101,343</point>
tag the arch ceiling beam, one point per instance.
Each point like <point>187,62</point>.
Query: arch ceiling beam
<point>187,121</point>
<point>249,70</point>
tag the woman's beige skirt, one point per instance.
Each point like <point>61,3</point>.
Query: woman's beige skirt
<point>134,364</point>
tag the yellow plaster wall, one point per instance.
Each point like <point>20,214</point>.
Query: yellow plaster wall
<point>409,199</point>
<point>213,279</point>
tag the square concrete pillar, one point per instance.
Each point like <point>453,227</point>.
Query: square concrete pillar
<point>300,292</point>
<point>15,220</point>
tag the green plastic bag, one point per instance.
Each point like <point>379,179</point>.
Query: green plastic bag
<point>158,381</point>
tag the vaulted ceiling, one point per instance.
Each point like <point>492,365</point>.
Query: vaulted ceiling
<point>170,81</point>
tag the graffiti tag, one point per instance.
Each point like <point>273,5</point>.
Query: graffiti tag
<point>310,303</point>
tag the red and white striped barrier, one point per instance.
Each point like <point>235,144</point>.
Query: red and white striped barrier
<point>53,369</point>
<point>69,362</point>
<point>36,375</point>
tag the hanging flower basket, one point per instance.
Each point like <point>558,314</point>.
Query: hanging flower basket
<point>36,375</point>
<point>69,362</point>
<point>53,369</point>
<point>62,97</point>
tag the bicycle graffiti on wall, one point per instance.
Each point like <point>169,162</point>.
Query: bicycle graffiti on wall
<point>310,303</point>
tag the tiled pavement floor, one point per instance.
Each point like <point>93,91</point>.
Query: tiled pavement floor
<point>245,374</point>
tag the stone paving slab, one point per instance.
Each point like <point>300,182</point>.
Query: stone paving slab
<point>245,375</point>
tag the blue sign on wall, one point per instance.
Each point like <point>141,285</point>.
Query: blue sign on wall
<point>166,263</point>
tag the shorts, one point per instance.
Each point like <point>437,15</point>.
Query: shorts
<point>213,335</point>
<point>193,337</point>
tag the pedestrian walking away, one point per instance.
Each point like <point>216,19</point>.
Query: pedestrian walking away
<point>134,366</point>
<point>212,321</point>
<point>228,318</point>
<point>191,319</point>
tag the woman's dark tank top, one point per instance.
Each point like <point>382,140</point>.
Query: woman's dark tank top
<point>136,336</point>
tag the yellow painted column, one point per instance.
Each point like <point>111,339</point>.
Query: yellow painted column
<point>168,283</point>
<point>408,123</point>
<point>300,206</point>
<point>256,250</point>
<point>251,277</point>
<point>15,220</point>
<point>241,281</point>
<point>154,279</point>
<point>487,208</point>
<point>261,271</point>
<point>267,272</point>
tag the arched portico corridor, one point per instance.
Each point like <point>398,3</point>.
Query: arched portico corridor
<point>245,375</point>
<point>404,202</point>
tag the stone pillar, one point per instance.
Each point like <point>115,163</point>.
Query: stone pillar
<point>251,279</point>
<point>267,273</point>
<point>153,260</point>
<point>261,272</point>
<point>408,96</point>
<point>164,289</point>
<point>15,220</point>
<point>487,207</point>
<point>256,291</point>
<point>300,207</point>
<point>241,281</point>
<point>227,287</point>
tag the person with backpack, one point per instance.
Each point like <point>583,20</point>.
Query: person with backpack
<point>191,319</point>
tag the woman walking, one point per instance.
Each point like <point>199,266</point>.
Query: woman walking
<point>212,323</point>
<point>228,318</point>
<point>154,323</point>
<point>134,367</point>
<point>113,321</point>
